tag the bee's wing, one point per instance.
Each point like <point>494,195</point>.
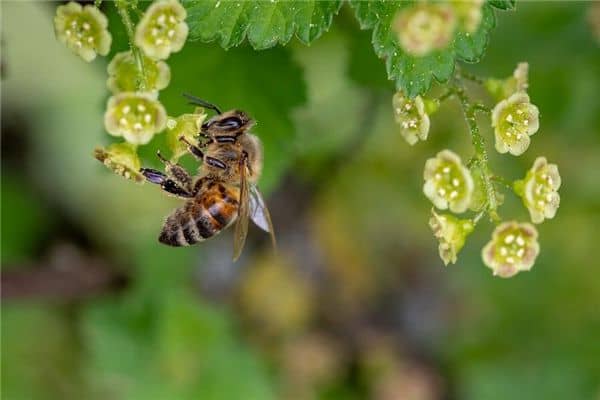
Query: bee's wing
<point>241,225</point>
<point>259,212</point>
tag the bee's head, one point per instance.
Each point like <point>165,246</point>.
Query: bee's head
<point>230,123</point>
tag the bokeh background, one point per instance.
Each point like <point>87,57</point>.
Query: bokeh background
<point>357,304</point>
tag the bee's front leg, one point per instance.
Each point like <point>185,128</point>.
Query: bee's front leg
<point>167,184</point>
<point>192,148</point>
<point>177,173</point>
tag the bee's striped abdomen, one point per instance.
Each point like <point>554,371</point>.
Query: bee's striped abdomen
<point>202,217</point>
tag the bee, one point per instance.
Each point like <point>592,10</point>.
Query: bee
<point>225,189</point>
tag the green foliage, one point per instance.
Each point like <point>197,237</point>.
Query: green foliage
<point>264,23</point>
<point>414,75</point>
<point>39,365</point>
<point>20,231</point>
<point>173,347</point>
<point>504,4</point>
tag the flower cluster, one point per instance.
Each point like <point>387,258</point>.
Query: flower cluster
<point>134,77</point>
<point>83,30</point>
<point>451,185</point>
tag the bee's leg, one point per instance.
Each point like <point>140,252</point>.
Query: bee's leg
<point>195,150</point>
<point>177,173</point>
<point>166,183</point>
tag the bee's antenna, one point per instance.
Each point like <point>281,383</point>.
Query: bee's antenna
<point>202,103</point>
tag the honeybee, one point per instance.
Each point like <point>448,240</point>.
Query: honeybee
<point>224,190</point>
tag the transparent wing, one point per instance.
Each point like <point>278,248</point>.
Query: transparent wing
<point>259,212</point>
<point>241,225</point>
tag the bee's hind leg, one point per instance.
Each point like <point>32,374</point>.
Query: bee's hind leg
<point>166,183</point>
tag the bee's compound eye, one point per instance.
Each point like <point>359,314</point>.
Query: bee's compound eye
<point>230,123</point>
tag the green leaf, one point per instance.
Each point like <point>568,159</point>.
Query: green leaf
<point>264,23</point>
<point>503,4</point>
<point>414,75</point>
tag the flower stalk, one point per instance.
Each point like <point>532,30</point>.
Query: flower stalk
<point>481,157</point>
<point>137,54</point>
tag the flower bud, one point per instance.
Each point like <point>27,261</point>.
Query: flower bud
<point>411,116</point>
<point>448,183</point>
<point>123,74</point>
<point>424,27</point>
<point>135,116</point>
<point>539,190</point>
<point>83,30</point>
<point>122,159</point>
<point>187,126</point>
<point>502,89</point>
<point>162,30</point>
<point>451,233</point>
<point>514,120</point>
<point>513,248</point>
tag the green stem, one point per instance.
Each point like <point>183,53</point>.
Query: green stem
<point>500,180</point>
<point>481,157</point>
<point>469,76</point>
<point>137,54</point>
<point>446,95</point>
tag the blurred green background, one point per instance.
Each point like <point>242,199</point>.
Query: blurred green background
<point>356,304</point>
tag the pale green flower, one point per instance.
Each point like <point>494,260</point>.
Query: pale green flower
<point>539,190</point>
<point>514,120</point>
<point>135,116</point>
<point>448,183</point>
<point>451,233</point>
<point>469,14</point>
<point>411,116</point>
<point>513,248</point>
<point>187,126</point>
<point>122,159</point>
<point>162,30</point>
<point>424,27</point>
<point>123,74</point>
<point>83,30</point>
